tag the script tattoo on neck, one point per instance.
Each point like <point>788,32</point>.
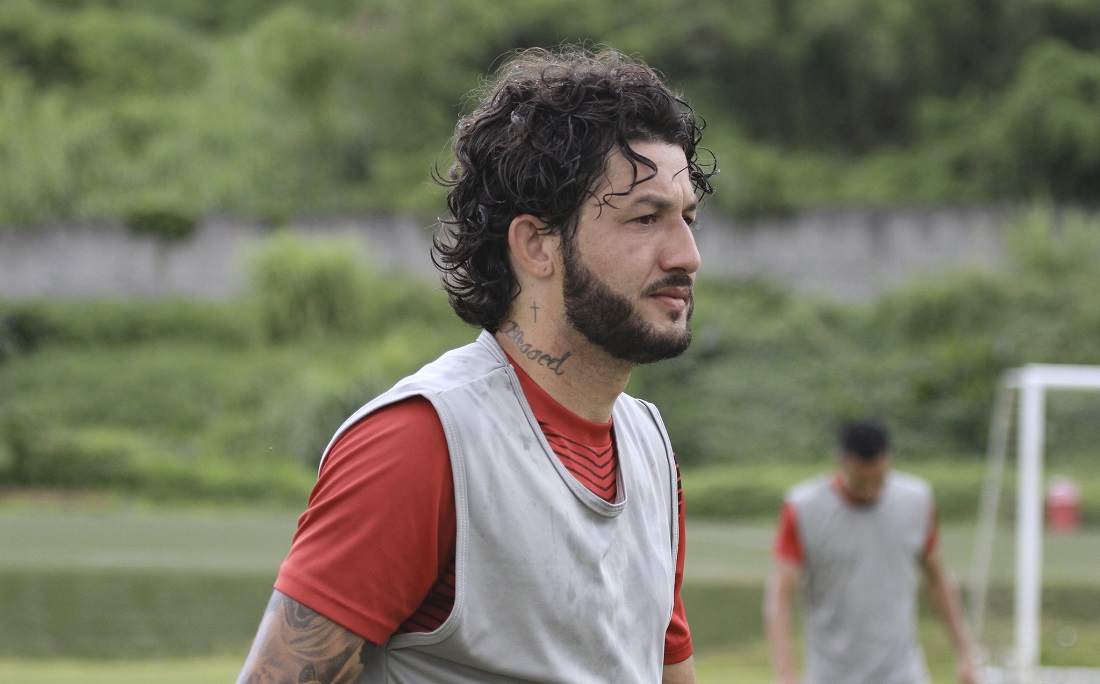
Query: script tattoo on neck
<point>554,363</point>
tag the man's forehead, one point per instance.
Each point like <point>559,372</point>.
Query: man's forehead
<point>633,179</point>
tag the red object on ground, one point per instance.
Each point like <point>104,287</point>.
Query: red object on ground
<point>1063,504</point>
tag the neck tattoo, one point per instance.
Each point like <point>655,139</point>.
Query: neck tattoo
<point>513,332</point>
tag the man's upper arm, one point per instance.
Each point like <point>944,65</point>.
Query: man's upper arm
<point>682,672</point>
<point>935,573</point>
<point>783,581</point>
<point>386,484</point>
<point>788,545</point>
<point>787,560</point>
<point>297,644</point>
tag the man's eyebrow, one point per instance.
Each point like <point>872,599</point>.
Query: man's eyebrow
<point>658,202</point>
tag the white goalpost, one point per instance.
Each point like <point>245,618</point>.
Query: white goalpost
<point>1025,390</point>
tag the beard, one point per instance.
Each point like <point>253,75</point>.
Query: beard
<point>609,321</point>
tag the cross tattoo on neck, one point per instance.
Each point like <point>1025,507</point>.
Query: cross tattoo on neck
<point>535,309</point>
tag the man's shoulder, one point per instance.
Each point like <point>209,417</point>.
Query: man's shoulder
<point>456,367</point>
<point>909,492</point>
<point>910,482</point>
<point>627,402</point>
<point>809,489</point>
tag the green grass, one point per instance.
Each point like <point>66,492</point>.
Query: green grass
<point>119,593</point>
<point>124,583</point>
<point>205,670</point>
<point>743,665</point>
<point>91,613</point>
<point>118,536</point>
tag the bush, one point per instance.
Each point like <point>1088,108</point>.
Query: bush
<point>743,491</point>
<point>129,462</point>
<point>20,331</point>
<point>134,52</point>
<point>166,225</point>
<point>309,292</point>
<point>85,459</point>
<point>27,326</point>
<point>1051,132</point>
<point>33,41</point>
<point>302,421</point>
<point>172,479</point>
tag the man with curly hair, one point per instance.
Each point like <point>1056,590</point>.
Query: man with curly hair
<point>508,513</point>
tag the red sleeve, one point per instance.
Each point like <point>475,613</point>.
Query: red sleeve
<point>787,545</point>
<point>678,646</point>
<point>380,524</point>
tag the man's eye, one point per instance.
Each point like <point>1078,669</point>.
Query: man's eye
<point>648,219</point>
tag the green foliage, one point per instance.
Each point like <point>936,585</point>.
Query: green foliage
<point>20,331</point>
<point>304,421</point>
<point>317,291</point>
<point>1049,114</point>
<point>184,400</point>
<point>163,224</point>
<point>94,459</point>
<point>182,481</point>
<point>33,42</point>
<point>107,106</point>
<point>300,53</point>
<point>140,426</point>
<point>233,400</point>
<point>100,52</point>
<point>309,291</point>
<point>215,16</point>
<point>753,491</point>
<point>1058,255</point>
<point>55,147</point>
<point>29,325</point>
<point>134,53</point>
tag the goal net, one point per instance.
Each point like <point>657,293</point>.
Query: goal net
<point>1024,639</point>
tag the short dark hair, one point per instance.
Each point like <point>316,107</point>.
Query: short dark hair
<point>536,144</point>
<point>865,437</point>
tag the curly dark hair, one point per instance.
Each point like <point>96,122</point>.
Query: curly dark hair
<point>537,144</point>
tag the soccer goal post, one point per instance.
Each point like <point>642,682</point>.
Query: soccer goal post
<point>1023,389</point>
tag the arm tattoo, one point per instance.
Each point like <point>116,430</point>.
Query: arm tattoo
<point>300,646</point>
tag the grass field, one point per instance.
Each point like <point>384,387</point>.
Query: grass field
<point>124,594</point>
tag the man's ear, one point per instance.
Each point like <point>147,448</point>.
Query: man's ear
<point>532,247</point>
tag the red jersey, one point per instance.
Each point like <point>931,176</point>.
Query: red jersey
<point>375,548</point>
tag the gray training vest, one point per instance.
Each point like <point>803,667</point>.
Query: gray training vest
<point>553,584</point>
<point>861,572</point>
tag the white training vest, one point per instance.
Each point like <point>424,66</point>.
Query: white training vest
<point>553,584</point>
<point>861,572</point>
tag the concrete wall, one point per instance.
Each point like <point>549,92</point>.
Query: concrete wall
<point>847,254</point>
<point>856,254</point>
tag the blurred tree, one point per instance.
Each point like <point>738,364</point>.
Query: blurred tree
<point>35,46</point>
<point>134,53</point>
<point>1050,124</point>
<point>274,106</point>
